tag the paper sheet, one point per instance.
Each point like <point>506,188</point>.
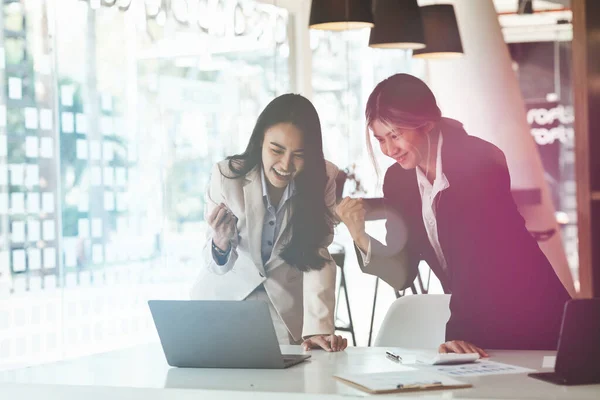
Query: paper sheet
<point>479,368</point>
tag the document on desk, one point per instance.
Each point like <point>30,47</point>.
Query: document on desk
<point>400,381</point>
<point>479,368</point>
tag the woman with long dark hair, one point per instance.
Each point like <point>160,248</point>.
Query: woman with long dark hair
<point>453,191</point>
<point>270,212</point>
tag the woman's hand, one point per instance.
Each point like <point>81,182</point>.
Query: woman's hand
<point>352,213</point>
<point>325,342</point>
<point>223,223</point>
<point>461,347</point>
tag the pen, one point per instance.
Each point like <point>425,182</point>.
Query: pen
<point>393,357</point>
<point>419,385</point>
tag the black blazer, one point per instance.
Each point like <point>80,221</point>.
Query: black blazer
<point>505,294</point>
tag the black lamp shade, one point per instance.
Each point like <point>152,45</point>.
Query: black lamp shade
<point>339,15</point>
<point>398,25</point>
<point>442,37</point>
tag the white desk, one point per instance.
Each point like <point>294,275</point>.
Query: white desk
<point>145,367</point>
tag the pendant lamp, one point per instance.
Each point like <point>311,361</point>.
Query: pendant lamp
<point>398,25</point>
<point>339,15</point>
<point>442,37</point>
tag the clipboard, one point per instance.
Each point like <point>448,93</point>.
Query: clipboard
<point>400,382</point>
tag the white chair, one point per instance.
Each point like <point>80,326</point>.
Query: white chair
<point>417,321</point>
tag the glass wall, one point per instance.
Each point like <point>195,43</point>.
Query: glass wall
<point>544,73</point>
<point>111,117</point>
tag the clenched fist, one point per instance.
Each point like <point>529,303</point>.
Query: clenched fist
<point>223,223</point>
<point>352,213</point>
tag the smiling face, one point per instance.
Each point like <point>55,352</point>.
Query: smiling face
<point>408,146</point>
<point>282,154</point>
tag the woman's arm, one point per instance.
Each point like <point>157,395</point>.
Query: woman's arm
<point>395,266</point>
<point>392,262</point>
<point>214,198</point>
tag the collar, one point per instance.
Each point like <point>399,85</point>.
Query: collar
<point>440,181</point>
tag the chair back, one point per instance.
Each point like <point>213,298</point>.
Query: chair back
<point>417,321</point>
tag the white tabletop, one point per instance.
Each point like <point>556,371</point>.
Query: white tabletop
<point>145,367</point>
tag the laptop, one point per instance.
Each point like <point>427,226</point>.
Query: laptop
<point>578,355</point>
<point>219,334</point>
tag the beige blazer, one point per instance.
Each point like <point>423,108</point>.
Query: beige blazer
<point>305,301</point>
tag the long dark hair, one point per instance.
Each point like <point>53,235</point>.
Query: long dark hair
<point>311,221</point>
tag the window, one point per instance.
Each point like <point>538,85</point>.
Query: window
<point>112,117</point>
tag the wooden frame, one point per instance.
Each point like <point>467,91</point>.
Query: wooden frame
<point>580,76</point>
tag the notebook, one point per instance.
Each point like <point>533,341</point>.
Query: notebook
<point>400,381</point>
